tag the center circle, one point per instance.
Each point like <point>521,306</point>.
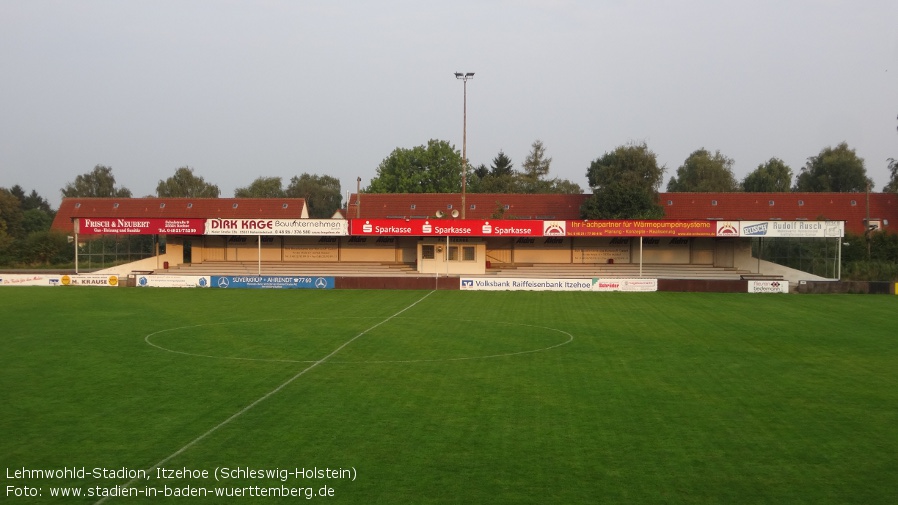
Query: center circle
<point>397,340</point>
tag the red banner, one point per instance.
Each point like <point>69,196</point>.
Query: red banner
<point>419,227</point>
<point>141,226</point>
<point>452,228</point>
<point>638,228</point>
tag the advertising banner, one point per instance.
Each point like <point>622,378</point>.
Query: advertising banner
<point>173,281</point>
<point>311,249</point>
<point>271,282</point>
<point>368,243</point>
<point>89,280</point>
<point>30,280</point>
<point>626,285</point>
<point>804,229</point>
<point>602,250</point>
<point>637,228</point>
<point>727,228</point>
<point>313,227</point>
<point>519,284</point>
<point>140,226</point>
<point>453,228</point>
<point>768,286</point>
<point>542,243</point>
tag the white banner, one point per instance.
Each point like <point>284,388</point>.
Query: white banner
<point>629,285</point>
<point>809,229</point>
<point>294,227</point>
<point>89,280</point>
<point>768,286</point>
<point>173,281</point>
<point>518,284</point>
<point>30,279</point>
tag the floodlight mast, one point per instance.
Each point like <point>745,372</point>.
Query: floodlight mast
<point>464,139</point>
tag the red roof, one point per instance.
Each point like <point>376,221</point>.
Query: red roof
<point>848,207</point>
<point>477,205</point>
<point>200,208</point>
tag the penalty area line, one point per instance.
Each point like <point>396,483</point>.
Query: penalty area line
<point>266,396</point>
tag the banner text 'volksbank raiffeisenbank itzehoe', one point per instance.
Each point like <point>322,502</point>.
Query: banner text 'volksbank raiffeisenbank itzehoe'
<point>549,284</point>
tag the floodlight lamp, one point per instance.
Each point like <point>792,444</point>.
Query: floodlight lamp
<point>459,75</point>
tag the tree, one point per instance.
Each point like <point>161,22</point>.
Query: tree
<point>499,178</point>
<point>184,184</point>
<point>10,220</point>
<point>36,213</point>
<point>625,185</point>
<point>892,186</point>
<point>17,192</point>
<point>836,169</point>
<point>774,176</point>
<point>23,219</point>
<point>618,201</point>
<point>36,202</point>
<point>432,168</point>
<point>262,187</point>
<point>502,165</point>
<point>703,172</point>
<point>562,186</point>
<point>99,183</point>
<point>494,184</point>
<point>535,168</point>
<point>481,171</point>
<point>35,220</point>
<point>321,192</point>
<point>46,248</point>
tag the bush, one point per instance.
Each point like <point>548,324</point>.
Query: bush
<point>870,271</point>
<point>38,249</point>
<point>882,264</point>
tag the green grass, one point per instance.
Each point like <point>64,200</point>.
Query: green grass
<point>461,398</point>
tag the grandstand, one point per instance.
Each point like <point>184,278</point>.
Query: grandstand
<point>335,268</point>
<point>620,271</point>
<point>524,270</point>
<point>526,236</point>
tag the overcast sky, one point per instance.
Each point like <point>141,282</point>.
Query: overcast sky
<point>242,89</point>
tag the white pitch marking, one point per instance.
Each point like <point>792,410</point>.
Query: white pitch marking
<point>276,360</point>
<point>267,395</point>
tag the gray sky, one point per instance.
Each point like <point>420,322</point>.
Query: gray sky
<point>242,89</point>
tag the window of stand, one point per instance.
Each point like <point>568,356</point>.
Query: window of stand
<point>467,253</point>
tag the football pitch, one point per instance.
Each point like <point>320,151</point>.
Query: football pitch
<point>416,397</point>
